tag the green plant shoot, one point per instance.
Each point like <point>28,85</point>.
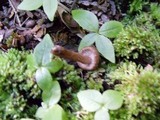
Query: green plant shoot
<point>87,20</point>
<point>94,101</point>
<point>51,91</point>
<point>49,6</point>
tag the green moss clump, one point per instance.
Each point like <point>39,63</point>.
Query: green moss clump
<point>136,5</point>
<point>141,90</point>
<point>140,39</point>
<point>18,89</point>
<point>71,82</point>
<point>134,41</point>
<point>155,10</point>
<point>94,79</point>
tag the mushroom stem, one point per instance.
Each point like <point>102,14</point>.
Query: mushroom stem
<point>68,54</point>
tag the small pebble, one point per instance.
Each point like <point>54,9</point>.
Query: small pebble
<point>86,3</point>
<point>104,18</point>
<point>30,23</point>
<point>94,4</point>
<point>95,12</point>
<point>99,14</point>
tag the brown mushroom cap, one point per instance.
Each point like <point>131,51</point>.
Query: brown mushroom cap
<point>93,54</point>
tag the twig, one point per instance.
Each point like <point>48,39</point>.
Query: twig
<point>24,21</point>
<point>74,3</point>
<point>64,7</point>
<point>15,11</point>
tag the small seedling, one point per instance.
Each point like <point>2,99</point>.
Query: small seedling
<point>42,61</point>
<point>49,6</point>
<point>94,101</point>
<point>87,20</point>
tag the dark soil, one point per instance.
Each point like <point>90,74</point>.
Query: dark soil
<point>25,29</point>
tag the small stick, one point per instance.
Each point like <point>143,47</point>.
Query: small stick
<point>25,21</point>
<point>64,7</point>
<point>15,11</point>
<point>74,3</point>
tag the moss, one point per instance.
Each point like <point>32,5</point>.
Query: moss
<point>140,39</point>
<point>134,41</point>
<point>141,90</point>
<point>136,5</point>
<point>155,10</point>
<point>17,86</point>
<point>72,80</point>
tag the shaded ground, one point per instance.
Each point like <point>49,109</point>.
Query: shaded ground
<point>24,28</point>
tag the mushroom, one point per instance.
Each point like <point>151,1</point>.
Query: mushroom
<point>87,58</point>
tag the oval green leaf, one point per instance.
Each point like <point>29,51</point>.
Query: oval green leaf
<point>43,78</point>
<point>102,114</point>
<point>105,47</point>
<point>87,40</point>
<point>90,100</point>
<point>50,8</point>
<point>86,19</point>
<point>112,99</point>
<point>41,111</point>
<point>52,96</point>
<point>55,113</point>
<point>55,65</point>
<point>30,4</point>
<point>42,51</point>
<point>111,29</point>
<point>26,119</point>
<point>31,62</point>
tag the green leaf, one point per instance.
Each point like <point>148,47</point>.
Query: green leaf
<point>52,96</point>
<point>87,40</point>
<point>56,111</point>
<point>26,119</point>
<point>42,51</point>
<point>41,112</point>
<point>31,62</point>
<point>111,29</point>
<point>50,8</point>
<point>43,78</point>
<point>105,47</point>
<point>30,4</point>
<point>86,19</point>
<point>112,99</point>
<point>102,114</point>
<point>90,100</point>
<point>54,66</point>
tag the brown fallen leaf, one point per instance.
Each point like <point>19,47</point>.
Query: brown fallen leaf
<point>15,40</point>
<point>40,33</point>
<point>3,47</point>
<point>70,23</point>
<point>1,24</point>
<point>66,18</point>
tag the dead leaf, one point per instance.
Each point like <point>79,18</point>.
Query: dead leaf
<point>67,19</point>
<point>3,47</point>
<point>17,40</point>
<point>70,23</point>
<point>29,14</point>
<point>1,38</point>
<point>11,14</point>
<point>40,33</point>
<point>35,29</point>
<point>8,33</point>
